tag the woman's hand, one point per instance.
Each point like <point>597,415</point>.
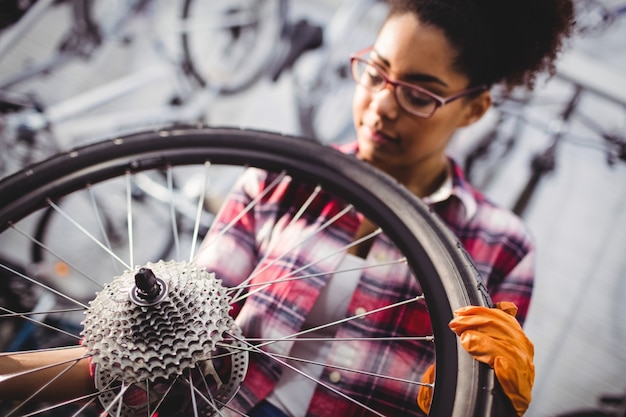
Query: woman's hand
<point>493,336</point>
<point>24,374</point>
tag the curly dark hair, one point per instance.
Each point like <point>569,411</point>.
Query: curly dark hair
<point>506,42</point>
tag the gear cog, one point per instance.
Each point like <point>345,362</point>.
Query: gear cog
<point>160,335</point>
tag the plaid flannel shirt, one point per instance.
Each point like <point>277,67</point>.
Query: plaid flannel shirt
<point>494,238</point>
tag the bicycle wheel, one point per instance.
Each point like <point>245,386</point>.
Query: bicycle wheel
<point>445,277</point>
<point>227,45</point>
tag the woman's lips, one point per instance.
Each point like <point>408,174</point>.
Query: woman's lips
<point>381,137</point>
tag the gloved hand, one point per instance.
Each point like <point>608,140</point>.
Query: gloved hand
<point>493,336</point>
<point>425,394</point>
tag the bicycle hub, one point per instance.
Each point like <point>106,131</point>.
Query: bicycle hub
<point>148,289</point>
<point>155,331</point>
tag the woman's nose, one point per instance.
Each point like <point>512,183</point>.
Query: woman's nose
<point>384,102</point>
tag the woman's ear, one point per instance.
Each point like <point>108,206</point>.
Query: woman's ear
<point>477,107</point>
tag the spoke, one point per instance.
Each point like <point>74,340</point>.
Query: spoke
<point>24,352</point>
<point>7,377</point>
<point>302,242</point>
<point>210,401</point>
<point>307,203</point>
<point>90,397</point>
<point>265,342</point>
<point>105,237</point>
<point>148,396</point>
<point>47,312</point>
<point>295,271</point>
<point>254,348</point>
<point>129,220</point>
<point>323,384</point>
<point>44,303</point>
<point>43,324</point>
<point>195,391</point>
<point>42,285</point>
<point>307,276</point>
<point>192,393</point>
<point>343,368</point>
<point>295,336</point>
<point>92,400</point>
<point>172,204</point>
<point>169,389</point>
<point>201,198</point>
<point>119,399</point>
<point>213,403</point>
<point>46,385</point>
<point>56,255</point>
<point>88,234</point>
<point>344,320</point>
<point>347,339</point>
<point>293,220</point>
<point>243,212</point>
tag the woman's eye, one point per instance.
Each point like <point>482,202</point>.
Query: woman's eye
<point>373,76</point>
<point>416,98</point>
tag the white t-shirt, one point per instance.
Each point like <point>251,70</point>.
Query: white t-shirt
<point>293,392</point>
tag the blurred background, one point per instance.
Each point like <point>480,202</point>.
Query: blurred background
<point>557,156</point>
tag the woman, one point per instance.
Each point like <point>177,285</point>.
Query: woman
<point>428,74</point>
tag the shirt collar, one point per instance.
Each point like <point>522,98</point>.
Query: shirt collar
<point>455,185</point>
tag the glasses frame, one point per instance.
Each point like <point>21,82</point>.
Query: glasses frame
<point>439,101</point>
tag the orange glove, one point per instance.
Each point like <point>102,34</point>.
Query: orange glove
<point>492,336</point>
<point>425,395</point>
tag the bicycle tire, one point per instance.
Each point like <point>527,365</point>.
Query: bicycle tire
<point>464,386</point>
<point>264,34</point>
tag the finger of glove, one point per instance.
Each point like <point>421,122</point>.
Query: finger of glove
<point>425,394</point>
<point>486,349</point>
<point>508,307</point>
<point>516,382</point>
<point>513,367</point>
<point>479,346</point>
<point>493,323</point>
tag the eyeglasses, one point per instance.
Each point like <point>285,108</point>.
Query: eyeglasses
<point>413,99</point>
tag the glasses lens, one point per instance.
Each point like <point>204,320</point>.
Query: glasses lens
<point>367,75</point>
<point>414,101</point>
<point>410,99</point>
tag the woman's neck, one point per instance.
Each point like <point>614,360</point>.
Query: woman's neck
<point>422,179</point>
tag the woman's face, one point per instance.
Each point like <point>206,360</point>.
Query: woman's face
<point>390,138</point>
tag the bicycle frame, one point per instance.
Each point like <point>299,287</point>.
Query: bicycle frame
<point>84,36</point>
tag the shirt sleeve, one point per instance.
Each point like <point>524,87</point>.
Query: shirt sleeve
<point>230,247</point>
<point>517,285</point>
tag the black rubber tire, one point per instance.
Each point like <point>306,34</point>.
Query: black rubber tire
<point>256,68</point>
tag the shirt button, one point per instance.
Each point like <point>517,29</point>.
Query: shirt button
<point>334,377</point>
<point>359,311</point>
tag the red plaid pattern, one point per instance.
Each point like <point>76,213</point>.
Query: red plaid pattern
<point>496,240</point>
